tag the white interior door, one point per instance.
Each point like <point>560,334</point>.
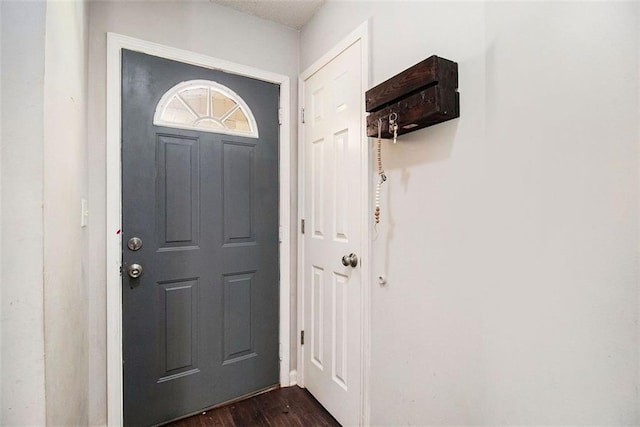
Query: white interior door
<point>334,197</point>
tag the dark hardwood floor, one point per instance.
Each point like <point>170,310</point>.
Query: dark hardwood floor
<point>290,406</point>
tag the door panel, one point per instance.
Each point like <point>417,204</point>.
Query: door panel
<point>178,322</point>
<point>239,214</point>
<point>238,339</point>
<point>200,326</point>
<point>178,171</point>
<point>334,192</point>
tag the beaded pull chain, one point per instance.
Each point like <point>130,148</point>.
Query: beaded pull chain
<point>383,177</point>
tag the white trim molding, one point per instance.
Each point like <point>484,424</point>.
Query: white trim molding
<point>293,377</point>
<point>361,33</point>
<point>115,44</point>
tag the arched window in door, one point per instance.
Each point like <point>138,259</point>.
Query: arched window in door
<point>205,106</point>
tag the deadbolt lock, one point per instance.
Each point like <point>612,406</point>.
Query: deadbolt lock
<point>134,243</point>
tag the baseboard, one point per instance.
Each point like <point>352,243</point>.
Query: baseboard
<point>293,377</point>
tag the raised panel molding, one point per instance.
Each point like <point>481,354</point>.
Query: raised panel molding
<point>178,328</point>
<point>238,193</point>
<point>317,316</point>
<point>340,177</point>
<point>238,323</point>
<point>339,333</point>
<point>178,180</point>
<point>317,188</point>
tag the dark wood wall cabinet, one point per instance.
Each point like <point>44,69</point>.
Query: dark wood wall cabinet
<point>423,95</point>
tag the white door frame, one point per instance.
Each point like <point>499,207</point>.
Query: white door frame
<point>360,33</point>
<point>115,44</point>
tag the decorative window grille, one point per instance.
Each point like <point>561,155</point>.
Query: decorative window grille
<point>205,106</point>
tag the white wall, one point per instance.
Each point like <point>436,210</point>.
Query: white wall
<point>65,288</point>
<point>44,302</point>
<point>22,78</point>
<point>201,27</point>
<point>510,236</point>
<point>1,406</point>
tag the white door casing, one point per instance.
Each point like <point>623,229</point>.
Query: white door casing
<point>115,44</point>
<point>334,163</point>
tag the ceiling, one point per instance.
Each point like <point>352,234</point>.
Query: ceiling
<point>292,13</point>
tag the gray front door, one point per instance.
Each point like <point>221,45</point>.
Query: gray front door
<point>200,325</point>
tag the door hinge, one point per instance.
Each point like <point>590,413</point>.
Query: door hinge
<point>280,113</point>
<point>302,115</point>
<point>302,226</point>
<point>301,337</point>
